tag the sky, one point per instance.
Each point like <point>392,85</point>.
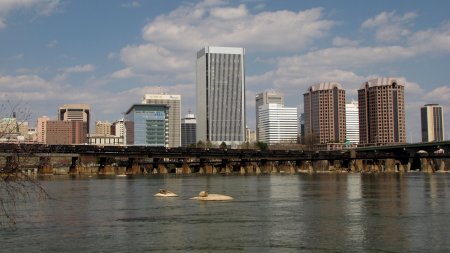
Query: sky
<point>108,54</point>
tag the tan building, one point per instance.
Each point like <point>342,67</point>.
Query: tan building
<point>381,104</point>
<point>174,117</point>
<point>41,129</point>
<point>103,128</point>
<point>324,106</point>
<point>75,112</point>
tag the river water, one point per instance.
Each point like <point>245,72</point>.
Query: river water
<point>272,213</point>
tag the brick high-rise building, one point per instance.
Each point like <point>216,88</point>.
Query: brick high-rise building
<point>324,116</point>
<point>381,104</point>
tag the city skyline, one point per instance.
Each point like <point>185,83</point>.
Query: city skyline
<point>109,55</point>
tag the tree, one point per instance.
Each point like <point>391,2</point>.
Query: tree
<point>262,145</point>
<point>15,184</point>
<point>223,145</point>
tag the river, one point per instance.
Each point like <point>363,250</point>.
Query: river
<point>323,212</point>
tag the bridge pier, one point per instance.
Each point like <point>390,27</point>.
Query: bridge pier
<point>425,165</point>
<point>105,167</point>
<point>73,169</point>
<point>132,167</point>
<point>186,169</point>
<point>45,165</point>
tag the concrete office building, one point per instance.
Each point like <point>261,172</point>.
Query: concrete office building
<point>267,97</point>
<point>188,130</point>
<point>277,124</point>
<point>174,114</point>
<point>432,121</point>
<point>324,106</point>
<point>381,104</point>
<point>75,112</point>
<point>352,121</point>
<point>148,125</point>
<point>221,95</point>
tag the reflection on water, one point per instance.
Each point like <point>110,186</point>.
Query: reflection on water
<point>307,212</point>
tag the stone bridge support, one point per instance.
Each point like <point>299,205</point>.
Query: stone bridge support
<point>426,165</point>
<point>186,169</point>
<point>45,165</point>
<point>286,167</point>
<point>105,167</point>
<point>225,167</point>
<point>267,166</point>
<point>74,165</point>
<point>133,167</point>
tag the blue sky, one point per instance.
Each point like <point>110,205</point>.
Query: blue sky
<point>110,53</point>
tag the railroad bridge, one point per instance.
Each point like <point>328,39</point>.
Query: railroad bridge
<point>86,159</point>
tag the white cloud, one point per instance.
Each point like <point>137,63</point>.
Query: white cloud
<point>390,26</point>
<point>133,4</point>
<point>190,28</point>
<point>80,68</point>
<point>40,7</point>
<point>344,42</point>
<point>52,44</point>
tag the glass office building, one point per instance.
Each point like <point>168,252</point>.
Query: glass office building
<point>147,124</point>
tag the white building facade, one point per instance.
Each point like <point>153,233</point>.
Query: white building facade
<point>221,95</point>
<point>352,122</point>
<point>277,124</point>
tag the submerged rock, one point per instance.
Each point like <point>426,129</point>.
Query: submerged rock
<point>165,193</point>
<point>204,195</point>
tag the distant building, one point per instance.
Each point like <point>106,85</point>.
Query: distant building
<point>250,135</point>
<point>324,106</point>
<point>352,121</point>
<point>147,124</point>
<point>301,127</point>
<point>105,139</point>
<point>65,132</point>
<point>381,103</point>
<point>75,112</point>
<point>221,95</point>
<point>277,124</point>
<point>267,97</point>
<point>102,128</point>
<point>432,119</point>
<point>188,130</point>
<point>13,130</point>
<point>174,115</point>
<point>118,128</point>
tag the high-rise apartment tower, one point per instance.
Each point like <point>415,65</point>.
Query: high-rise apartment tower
<point>381,104</point>
<point>324,106</point>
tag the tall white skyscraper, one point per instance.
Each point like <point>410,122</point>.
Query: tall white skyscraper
<point>267,97</point>
<point>174,117</point>
<point>221,95</point>
<point>352,122</point>
<point>277,124</point>
<point>432,122</point>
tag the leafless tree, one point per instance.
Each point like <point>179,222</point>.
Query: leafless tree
<point>16,185</point>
